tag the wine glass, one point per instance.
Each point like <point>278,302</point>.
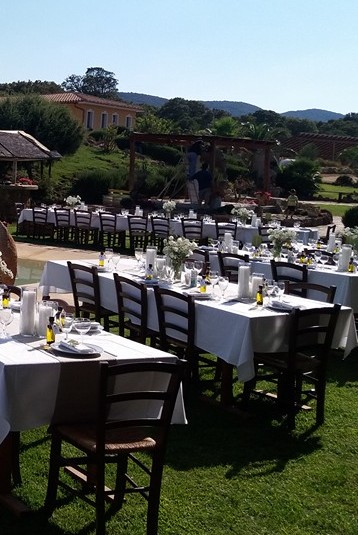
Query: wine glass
<point>138,253</point>
<point>324,259</point>
<point>161,266</point>
<point>279,289</point>
<point>82,326</point>
<point>214,279</point>
<point>223,283</point>
<point>318,256</point>
<point>109,256</point>
<point>115,259</point>
<point>335,259</point>
<point>67,323</point>
<point>6,317</point>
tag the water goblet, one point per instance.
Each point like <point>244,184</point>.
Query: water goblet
<point>324,259</point>
<point>115,259</point>
<point>138,253</point>
<point>318,255</point>
<point>198,266</point>
<point>161,267</point>
<point>6,317</point>
<point>214,279</point>
<point>82,326</point>
<point>67,323</point>
<point>223,283</point>
<point>109,256</point>
<point>335,259</point>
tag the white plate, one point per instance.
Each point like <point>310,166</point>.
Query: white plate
<point>95,326</point>
<point>93,351</point>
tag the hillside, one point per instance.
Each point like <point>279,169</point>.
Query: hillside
<point>236,109</point>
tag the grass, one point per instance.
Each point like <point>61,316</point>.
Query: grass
<point>229,473</point>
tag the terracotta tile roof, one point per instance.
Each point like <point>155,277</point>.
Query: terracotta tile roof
<point>18,145</point>
<point>78,98</point>
<point>329,146</point>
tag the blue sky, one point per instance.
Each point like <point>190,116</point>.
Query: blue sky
<point>277,54</point>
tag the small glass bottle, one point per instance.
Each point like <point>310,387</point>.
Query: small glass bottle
<point>50,333</point>
<point>6,298</point>
<point>101,259</point>
<point>351,268</point>
<point>149,272</point>
<point>259,296</point>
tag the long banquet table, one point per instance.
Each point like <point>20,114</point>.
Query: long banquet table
<point>40,386</point>
<point>231,330</point>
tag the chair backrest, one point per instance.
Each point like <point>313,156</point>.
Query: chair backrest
<point>85,285</point>
<point>311,333</point>
<point>107,221</point>
<point>137,224</point>
<point>19,206</point>
<point>227,227</point>
<point>192,228</point>
<point>83,219</point>
<point>263,232</point>
<point>138,396</point>
<point>39,215</point>
<point>160,226</point>
<point>176,317</point>
<point>16,290</point>
<point>313,291</point>
<point>330,228</point>
<point>132,306</point>
<point>282,271</point>
<point>229,264</point>
<point>62,217</point>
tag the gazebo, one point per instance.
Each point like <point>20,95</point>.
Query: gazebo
<point>214,142</point>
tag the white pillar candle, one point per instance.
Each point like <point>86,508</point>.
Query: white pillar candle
<point>256,280</point>
<point>27,314</point>
<point>45,312</point>
<point>137,208</point>
<point>254,220</point>
<point>344,258</point>
<point>150,257</point>
<point>244,281</point>
<point>331,242</point>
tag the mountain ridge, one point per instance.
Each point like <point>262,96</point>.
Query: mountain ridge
<point>234,108</point>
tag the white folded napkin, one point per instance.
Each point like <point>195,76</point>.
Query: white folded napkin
<point>76,347</point>
<point>281,305</point>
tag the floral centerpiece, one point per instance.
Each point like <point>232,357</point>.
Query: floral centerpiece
<point>4,270</point>
<point>177,249</point>
<point>350,236</point>
<point>242,213</point>
<point>72,200</point>
<point>169,206</point>
<point>280,237</point>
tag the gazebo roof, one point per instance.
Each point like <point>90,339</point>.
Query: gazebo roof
<point>17,145</point>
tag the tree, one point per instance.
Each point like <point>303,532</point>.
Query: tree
<point>226,126</point>
<point>96,81</point>
<point>23,87</point>
<point>49,123</point>
<point>189,115</point>
<point>300,175</point>
<point>150,123</point>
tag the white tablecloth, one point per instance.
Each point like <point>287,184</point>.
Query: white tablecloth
<point>37,387</point>
<point>231,330</point>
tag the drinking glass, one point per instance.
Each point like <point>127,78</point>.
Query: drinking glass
<point>223,283</point>
<point>279,289</point>
<point>6,317</point>
<point>115,259</point>
<point>109,256</point>
<point>82,326</point>
<point>335,259</point>
<point>67,323</point>
<point>138,253</point>
<point>318,255</point>
<point>214,279</point>
<point>161,266</point>
<point>324,259</point>
<point>198,266</point>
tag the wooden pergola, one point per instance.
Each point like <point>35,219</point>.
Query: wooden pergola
<point>214,142</point>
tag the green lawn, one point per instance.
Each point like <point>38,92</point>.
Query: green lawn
<point>230,473</point>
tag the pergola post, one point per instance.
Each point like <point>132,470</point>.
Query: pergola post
<point>131,177</point>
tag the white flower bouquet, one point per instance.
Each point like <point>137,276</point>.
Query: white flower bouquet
<point>177,249</point>
<point>4,269</point>
<point>169,206</point>
<point>242,213</point>
<point>280,237</point>
<point>72,200</point>
<point>350,236</point>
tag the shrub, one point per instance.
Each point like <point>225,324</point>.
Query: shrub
<point>300,175</point>
<point>168,155</point>
<point>350,218</point>
<point>92,185</point>
<point>345,180</point>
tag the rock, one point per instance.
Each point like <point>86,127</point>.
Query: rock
<point>9,254</point>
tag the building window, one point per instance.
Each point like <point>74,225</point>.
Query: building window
<point>115,119</point>
<point>89,119</point>
<point>129,122</point>
<point>104,120</point>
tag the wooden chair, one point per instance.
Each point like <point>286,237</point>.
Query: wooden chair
<point>83,231</point>
<point>86,294</point>
<point>132,308</point>
<point>139,235</point>
<point>222,228</point>
<point>326,292</point>
<point>115,438</point>
<point>176,317</point>
<point>63,227</point>
<point>109,235</point>
<point>41,228</point>
<point>310,338</point>
<point>283,271</point>
<point>329,230</point>
<point>193,230</point>
<point>229,264</point>
<point>264,233</point>
<point>160,231</point>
